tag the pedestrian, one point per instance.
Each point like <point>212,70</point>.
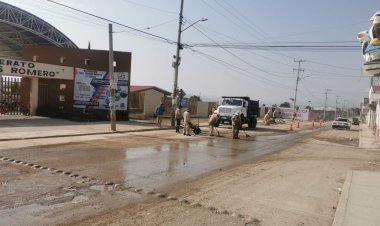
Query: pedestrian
<point>178,116</point>
<point>294,116</point>
<point>159,113</point>
<point>235,126</point>
<point>266,118</point>
<point>212,123</point>
<point>275,112</point>
<point>213,109</point>
<point>186,122</point>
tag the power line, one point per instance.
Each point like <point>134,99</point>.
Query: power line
<point>285,47</point>
<point>114,22</point>
<point>241,21</point>
<point>149,7</point>
<point>240,70</point>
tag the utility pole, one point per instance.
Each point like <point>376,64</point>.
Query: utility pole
<point>336,104</point>
<point>324,110</point>
<point>113,82</point>
<point>299,70</point>
<point>177,62</point>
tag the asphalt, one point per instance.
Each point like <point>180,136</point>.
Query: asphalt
<point>359,203</point>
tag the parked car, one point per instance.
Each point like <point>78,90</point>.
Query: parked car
<point>355,121</point>
<point>341,123</point>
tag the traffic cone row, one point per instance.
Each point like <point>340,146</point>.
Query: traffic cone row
<point>291,126</point>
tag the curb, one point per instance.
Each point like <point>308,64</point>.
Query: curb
<point>342,204</point>
<point>83,134</point>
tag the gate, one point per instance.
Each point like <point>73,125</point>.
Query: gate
<point>12,98</point>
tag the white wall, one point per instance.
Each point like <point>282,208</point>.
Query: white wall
<point>152,99</point>
<point>202,109</point>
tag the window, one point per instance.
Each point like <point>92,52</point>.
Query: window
<point>87,61</point>
<point>36,57</point>
<point>63,60</point>
<point>62,98</point>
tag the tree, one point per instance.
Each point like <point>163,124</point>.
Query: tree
<point>285,105</point>
<point>195,98</point>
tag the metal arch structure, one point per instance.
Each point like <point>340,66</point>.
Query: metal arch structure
<point>18,27</point>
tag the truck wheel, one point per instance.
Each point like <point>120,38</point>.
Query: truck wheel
<point>217,124</point>
<point>242,121</point>
<point>254,122</point>
<point>250,123</point>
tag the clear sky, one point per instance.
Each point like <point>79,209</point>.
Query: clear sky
<point>212,70</point>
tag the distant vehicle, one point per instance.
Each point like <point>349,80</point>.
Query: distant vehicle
<point>341,123</point>
<point>247,109</point>
<point>355,121</point>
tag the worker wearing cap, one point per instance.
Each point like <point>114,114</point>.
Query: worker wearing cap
<point>212,122</point>
<point>178,119</point>
<point>235,126</point>
<point>186,122</point>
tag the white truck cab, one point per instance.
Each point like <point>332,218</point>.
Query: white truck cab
<point>247,109</point>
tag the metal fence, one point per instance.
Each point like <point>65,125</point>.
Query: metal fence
<point>10,96</point>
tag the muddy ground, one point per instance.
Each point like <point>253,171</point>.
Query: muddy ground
<point>297,186</point>
<point>300,185</point>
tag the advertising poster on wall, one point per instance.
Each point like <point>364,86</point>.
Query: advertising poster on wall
<point>302,114</point>
<point>92,89</point>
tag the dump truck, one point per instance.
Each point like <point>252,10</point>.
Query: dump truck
<point>248,110</point>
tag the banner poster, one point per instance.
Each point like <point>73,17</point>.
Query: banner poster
<point>302,114</point>
<point>92,89</point>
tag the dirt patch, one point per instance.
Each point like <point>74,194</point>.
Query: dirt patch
<point>345,137</point>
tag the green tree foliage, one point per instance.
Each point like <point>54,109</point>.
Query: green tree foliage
<point>285,105</point>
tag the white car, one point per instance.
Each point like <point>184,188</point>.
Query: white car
<point>341,123</point>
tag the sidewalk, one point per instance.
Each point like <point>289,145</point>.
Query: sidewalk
<point>359,203</point>
<point>33,127</point>
<point>367,138</point>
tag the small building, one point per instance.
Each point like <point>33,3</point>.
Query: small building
<point>373,115</point>
<point>55,97</point>
<point>143,100</point>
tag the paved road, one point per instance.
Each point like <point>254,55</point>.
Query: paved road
<point>151,167</point>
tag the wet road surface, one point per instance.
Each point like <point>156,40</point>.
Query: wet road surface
<point>163,165</point>
<point>32,189</point>
<point>153,167</point>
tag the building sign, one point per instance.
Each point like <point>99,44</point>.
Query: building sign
<point>22,68</point>
<point>92,89</point>
<point>302,114</point>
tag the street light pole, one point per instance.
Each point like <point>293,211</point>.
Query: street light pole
<point>177,62</point>
<point>298,78</point>
<point>112,82</point>
<point>324,110</point>
<point>336,105</point>
<point>178,59</point>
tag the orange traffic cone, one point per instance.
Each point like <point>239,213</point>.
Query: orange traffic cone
<point>291,126</point>
<point>312,123</point>
<point>320,123</point>
<point>298,124</point>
